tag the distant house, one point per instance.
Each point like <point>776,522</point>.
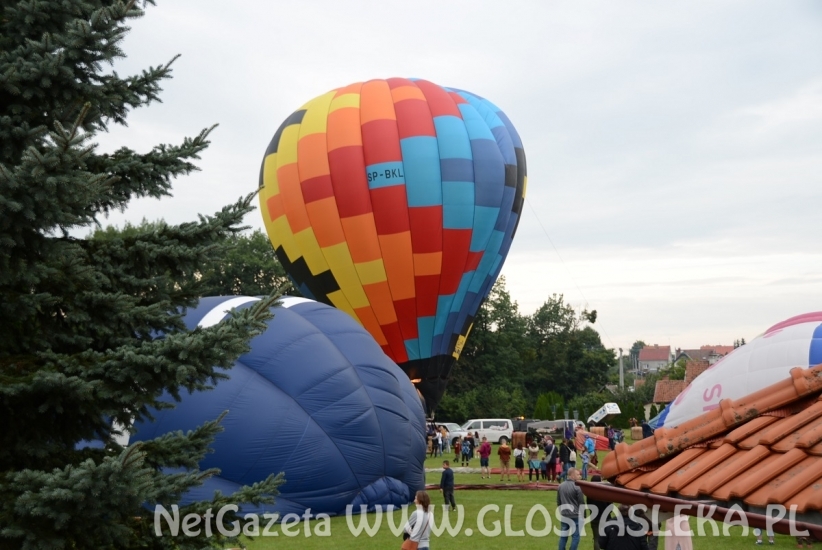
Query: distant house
<point>653,358</point>
<point>695,368</point>
<point>711,354</point>
<point>667,390</point>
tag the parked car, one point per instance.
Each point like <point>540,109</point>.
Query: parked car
<point>455,431</point>
<point>496,430</point>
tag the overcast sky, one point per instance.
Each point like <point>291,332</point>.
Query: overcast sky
<point>674,149</point>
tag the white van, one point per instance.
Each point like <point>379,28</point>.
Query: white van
<point>496,430</point>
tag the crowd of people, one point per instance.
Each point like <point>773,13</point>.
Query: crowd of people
<point>439,441</point>
<point>543,458</point>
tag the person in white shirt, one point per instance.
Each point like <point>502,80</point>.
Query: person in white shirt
<point>419,524</point>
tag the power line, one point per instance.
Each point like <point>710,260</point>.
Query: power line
<point>568,271</point>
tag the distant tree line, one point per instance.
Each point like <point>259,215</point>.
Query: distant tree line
<point>508,361</point>
<point>511,359</point>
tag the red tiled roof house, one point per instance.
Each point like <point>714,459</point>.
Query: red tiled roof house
<point>653,358</point>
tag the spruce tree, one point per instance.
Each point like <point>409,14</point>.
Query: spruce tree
<point>250,268</point>
<point>90,329</point>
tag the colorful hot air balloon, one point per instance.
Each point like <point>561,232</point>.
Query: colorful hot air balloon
<point>765,360</point>
<point>396,201</point>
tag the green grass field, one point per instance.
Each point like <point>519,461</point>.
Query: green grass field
<point>519,503</point>
<point>496,532</point>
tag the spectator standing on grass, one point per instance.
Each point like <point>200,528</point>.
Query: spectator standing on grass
<point>533,460</point>
<point>457,448</point>
<point>570,501</point>
<point>466,450</point>
<point>543,467</point>
<point>419,524</point>
<point>504,452</point>
<point>437,443</point>
<point>551,454</point>
<point>565,458</point>
<point>519,461</point>
<point>485,456</point>
<point>589,444</point>
<point>446,440</point>
<point>588,451</point>
<point>447,485</point>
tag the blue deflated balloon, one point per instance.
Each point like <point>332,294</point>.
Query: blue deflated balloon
<point>315,398</point>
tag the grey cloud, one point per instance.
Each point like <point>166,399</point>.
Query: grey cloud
<point>639,121</point>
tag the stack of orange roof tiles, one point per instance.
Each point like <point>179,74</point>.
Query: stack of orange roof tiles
<point>765,448</point>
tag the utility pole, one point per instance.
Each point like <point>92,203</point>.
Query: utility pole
<point>621,372</point>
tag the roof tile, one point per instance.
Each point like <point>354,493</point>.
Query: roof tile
<point>667,390</point>
<point>655,353</point>
<point>660,479</point>
<point>752,478</point>
<point>810,497</point>
<point>811,438</point>
<point>694,369</point>
<point>788,484</point>
<point>700,465</point>
<point>749,428</point>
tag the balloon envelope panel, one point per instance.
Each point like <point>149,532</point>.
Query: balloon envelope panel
<point>315,398</point>
<point>396,201</point>
<point>765,360</point>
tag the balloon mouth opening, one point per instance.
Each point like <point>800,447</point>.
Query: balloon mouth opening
<point>429,377</point>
